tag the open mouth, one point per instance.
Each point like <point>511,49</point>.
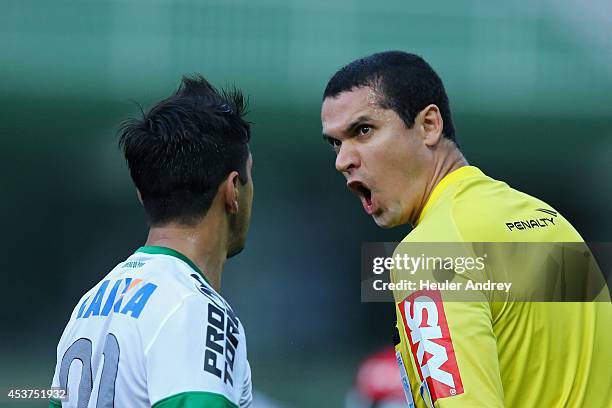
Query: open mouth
<point>364,193</point>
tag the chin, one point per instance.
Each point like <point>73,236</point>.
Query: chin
<point>235,251</point>
<point>238,239</point>
<point>386,220</point>
<point>383,223</point>
<point>236,247</point>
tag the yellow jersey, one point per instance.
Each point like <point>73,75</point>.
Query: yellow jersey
<point>502,353</point>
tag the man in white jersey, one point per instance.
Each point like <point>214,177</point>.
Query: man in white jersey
<point>155,331</point>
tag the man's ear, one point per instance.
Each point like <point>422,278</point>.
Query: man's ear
<point>139,196</point>
<point>230,192</point>
<point>430,120</point>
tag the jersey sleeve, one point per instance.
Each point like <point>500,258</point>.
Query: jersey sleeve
<point>449,352</point>
<point>246,398</point>
<point>198,358</point>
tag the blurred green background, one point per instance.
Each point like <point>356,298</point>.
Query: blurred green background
<point>530,84</point>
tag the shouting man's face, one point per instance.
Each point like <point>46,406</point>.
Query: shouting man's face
<point>385,163</point>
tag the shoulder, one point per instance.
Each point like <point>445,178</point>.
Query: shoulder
<point>483,209</point>
<point>202,304</point>
<point>191,299</point>
<point>494,211</point>
<point>202,341</point>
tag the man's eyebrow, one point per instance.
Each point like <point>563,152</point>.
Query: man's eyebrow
<point>351,127</point>
<point>328,138</point>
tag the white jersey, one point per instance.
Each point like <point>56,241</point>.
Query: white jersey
<point>153,333</point>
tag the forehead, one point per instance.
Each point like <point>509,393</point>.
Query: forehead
<point>340,112</point>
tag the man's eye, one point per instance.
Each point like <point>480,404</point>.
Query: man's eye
<point>335,144</point>
<point>364,129</point>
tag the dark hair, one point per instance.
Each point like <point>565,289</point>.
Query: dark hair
<point>181,150</point>
<point>405,83</point>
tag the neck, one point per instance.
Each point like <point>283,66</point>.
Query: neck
<point>202,244</point>
<point>447,158</point>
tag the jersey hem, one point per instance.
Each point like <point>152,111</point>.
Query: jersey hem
<point>193,399</point>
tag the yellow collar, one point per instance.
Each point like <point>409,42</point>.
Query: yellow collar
<point>454,176</point>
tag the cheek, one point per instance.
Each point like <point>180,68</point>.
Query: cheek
<point>406,158</point>
<point>393,172</point>
<point>396,180</point>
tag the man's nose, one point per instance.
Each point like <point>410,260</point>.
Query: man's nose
<point>347,158</point>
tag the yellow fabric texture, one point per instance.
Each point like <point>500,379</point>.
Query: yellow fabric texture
<point>507,353</point>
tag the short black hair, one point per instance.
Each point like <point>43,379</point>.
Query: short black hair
<point>181,150</point>
<point>404,82</point>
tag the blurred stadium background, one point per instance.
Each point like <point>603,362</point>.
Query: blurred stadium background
<point>530,83</point>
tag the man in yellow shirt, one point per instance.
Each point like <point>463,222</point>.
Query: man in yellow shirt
<point>387,117</point>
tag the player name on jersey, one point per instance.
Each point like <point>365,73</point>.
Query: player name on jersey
<point>127,296</point>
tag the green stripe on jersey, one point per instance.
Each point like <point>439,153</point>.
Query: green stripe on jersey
<point>54,404</point>
<point>195,399</point>
<point>155,250</point>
